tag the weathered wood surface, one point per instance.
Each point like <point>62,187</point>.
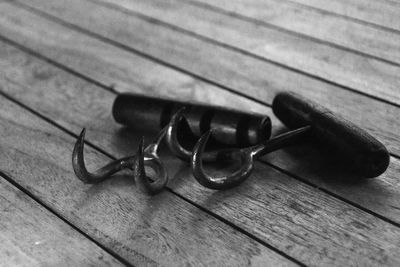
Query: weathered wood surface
<point>366,75</point>
<point>382,13</point>
<point>342,224</point>
<point>69,48</point>
<point>233,70</point>
<point>144,230</point>
<point>144,74</point>
<point>297,219</point>
<point>317,24</point>
<point>33,236</point>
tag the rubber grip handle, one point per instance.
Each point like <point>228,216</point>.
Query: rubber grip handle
<point>353,146</point>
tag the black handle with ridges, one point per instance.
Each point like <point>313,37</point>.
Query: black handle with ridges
<point>353,146</point>
<point>230,127</point>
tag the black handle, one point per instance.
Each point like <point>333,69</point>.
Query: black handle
<point>353,146</point>
<point>231,127</point>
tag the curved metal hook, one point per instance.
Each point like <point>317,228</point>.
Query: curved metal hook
<point>171,137</point>
<point>247,156</point>
<point>149,157</point>
<point>78,164</point>
<point>179,151</point>
<point>223,182</point>
<point>145,157</point>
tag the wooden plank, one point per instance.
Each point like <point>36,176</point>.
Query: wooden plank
<point>144,230</point>
<point>144,74</point>
<point>101,65</point>
<point>366,75</point>
<point>236,71</point>
<point>318,24</point>
<point>299,220</point>
<point>382,13</point>
<point>32,236</point>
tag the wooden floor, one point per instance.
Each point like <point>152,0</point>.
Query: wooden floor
<point>62,64</point>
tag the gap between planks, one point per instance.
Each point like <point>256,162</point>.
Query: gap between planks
<point>377,8</point>
<point>368,51</point>
<point>31,198</point>
<point>344,106</point>
<point>249,244</point>
<point>98,148</point>
<point>132,50</point>
<point>384,80</point>
<point>321,198</point>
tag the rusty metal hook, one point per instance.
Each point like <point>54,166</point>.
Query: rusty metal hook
<point>78,164</point>
<point>171,138</point>
<point>247,156</point>
<point>145,157</point>
<point>149,157</point>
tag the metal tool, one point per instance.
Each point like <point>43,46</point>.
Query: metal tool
<point>249,133</point>
<point>230,128</point>
<point>145,157</point>
<point>178,121</point>
<point>353,147</point>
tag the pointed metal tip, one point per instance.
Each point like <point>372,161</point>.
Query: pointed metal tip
<point>78,164</point>
<point>80,140</point>
<point>177,116</point>
<point>198,149</point>
<point>83,132</point>
<point>181,110</point>
<point>203,140</point>
<point>171,136</point>
<point>81,136</point>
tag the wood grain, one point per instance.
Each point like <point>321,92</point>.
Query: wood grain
<point>144,230</point>
<point>243,74</point>
<point>382,13</point>
<point>32,236</point>
<point>366,75</point>
<point>300,220</point>
<point>317,24</point>
<point>116,67</point>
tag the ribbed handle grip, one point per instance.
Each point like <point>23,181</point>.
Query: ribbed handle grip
<point>231,127</point>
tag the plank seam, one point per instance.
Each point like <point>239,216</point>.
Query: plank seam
<point>50,61</point>
<point>235,49</point>
<point>222,219</point>
<point>298,34</point>
<point>141,54</point>
<point>206,39</point>
<point>41,203</point>
<point>55,124</point>
<point>112,90</point>
<point>296,177</point>
<point>356,20</point>
<point>130,49</point>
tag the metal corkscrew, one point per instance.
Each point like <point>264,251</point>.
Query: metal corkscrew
<point>234,135</point>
